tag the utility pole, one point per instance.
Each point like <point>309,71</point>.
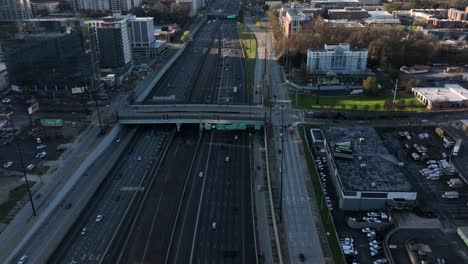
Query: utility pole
<point>395,91</point>
<point>93,79</point>
<point>318,90</point>
<point>20,152</point>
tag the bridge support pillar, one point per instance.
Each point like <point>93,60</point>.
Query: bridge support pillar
<point>178,127</point>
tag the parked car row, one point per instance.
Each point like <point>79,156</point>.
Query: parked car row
<point>321,163</point>
<point>347,244</point>
<point>375,246</point>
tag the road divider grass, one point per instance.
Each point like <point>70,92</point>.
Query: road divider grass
<point>325,215</point>
<point>249,46</point>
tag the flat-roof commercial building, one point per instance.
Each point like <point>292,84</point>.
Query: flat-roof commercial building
<point>331,4</point>
<point>337,58</point>
<point>449,96</point>
<point>351,13</point>
<point>365,175</point>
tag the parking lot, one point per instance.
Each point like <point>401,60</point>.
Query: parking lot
<point>440,245</point>
<point>430,172</point>
<point>442,194</point>
<point>360,245</point>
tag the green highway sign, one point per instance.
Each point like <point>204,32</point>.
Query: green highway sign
<point>52,122</point>
<point>258,126</point>
<point>241,126</point>
<point>231,17</point>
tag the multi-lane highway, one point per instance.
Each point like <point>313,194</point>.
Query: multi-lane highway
<point>197,208</point>
<point>111,200</point>
<point>177,83</point>
<point>232,86</point>
<point>213,190</point>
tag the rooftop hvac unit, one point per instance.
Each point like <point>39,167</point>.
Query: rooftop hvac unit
<point>363,165</point>
<point>373,185</point>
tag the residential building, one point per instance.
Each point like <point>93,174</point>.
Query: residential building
<point>107,5</point>
<point>448,96</point>
<point>47,6</point>
<point>337,59</point>
<point>292,18</point>
<point>364,174</point>
<point>115,51</point>
<point>93,5</point>
<point>15,10</point>
<point>454,14</point>
<point>49,56</point>
<point>351,13</point>
<point>447,33</point>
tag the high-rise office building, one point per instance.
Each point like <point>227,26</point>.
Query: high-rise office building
<point>15,10</point>
<point>48,56</point>
<point>115,52</point>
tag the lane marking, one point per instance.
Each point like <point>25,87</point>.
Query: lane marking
<point>201,199</point>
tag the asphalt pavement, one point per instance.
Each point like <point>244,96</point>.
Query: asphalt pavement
<point>180,78</point>
<point>111,201</point>
<point>152,227</point>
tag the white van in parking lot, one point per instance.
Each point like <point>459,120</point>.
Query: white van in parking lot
<point>451,195</point>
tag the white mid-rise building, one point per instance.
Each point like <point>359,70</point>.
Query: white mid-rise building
<point>141,31</point>
<point>337,59</point>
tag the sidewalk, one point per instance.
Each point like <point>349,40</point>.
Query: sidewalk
<point>264,239</point>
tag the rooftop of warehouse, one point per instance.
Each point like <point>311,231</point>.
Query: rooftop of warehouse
<point>371,167</point>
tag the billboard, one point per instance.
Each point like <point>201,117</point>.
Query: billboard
<point>33,108</point>
<point>52,122</point>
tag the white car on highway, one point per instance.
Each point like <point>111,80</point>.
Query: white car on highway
<point>23,259</point>
<point>41,154</point>
<point>7,164</point>
<point>41,146</point>
<point>30,167</point>
<point>99,218</point>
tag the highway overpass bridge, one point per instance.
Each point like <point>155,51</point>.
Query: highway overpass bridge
<point>222,116</point>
